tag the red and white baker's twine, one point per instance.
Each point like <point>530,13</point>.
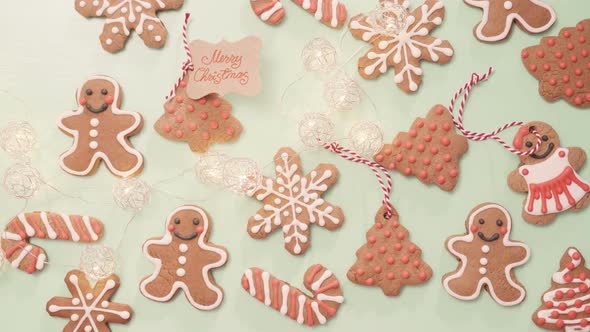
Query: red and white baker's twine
<point>478,136</point>
<point>375,167</point>
<point>188,64</point>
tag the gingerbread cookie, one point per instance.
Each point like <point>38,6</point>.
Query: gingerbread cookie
<point>487,258</point>
<point>389,259</point>
<point>184,259</point>
<point>269,11</point>
<point>292,302</point>
<point>122,16</point>
<point>533,16</point>
<point>560,64</point>
<point>101,131</point>
<point>200,122</point>
<point>293,202</point>
<point>548,176</point>
<point>565,305</point>
<point>404,49</point>
<point>430,151</point>
<point>27,257</point>
<point>90,308</point>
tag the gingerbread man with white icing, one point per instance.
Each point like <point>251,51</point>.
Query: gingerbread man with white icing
<point>533,16</point>
<point>487,258</point>
<point>549,175</point>
<point>184,259</point>
<point>101,131</point>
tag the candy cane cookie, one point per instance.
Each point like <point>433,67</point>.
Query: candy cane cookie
<point>330,12</point>
<point>292,302</point>
<point>269,11</point>
<point>22,254</point>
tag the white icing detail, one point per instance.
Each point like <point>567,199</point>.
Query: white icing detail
<point>95,3</point>
<point>82,4</point>
<point>300,302</point>
<point>318,314</point>
<point>89,229</point>
<point>23,253</point>
<point>93,145</point>
<point>180,272</point>
<point>285,298</point>
<point>75,301</point>
<point>251,285</point>
<point>94,122</point>
<point>109,41</point>
<point>89,296</point>
<point>11,236</point>
<point>115,30</point>
<point>483,270</point>
<point>28,228</point>
<point>151,27</point>
<point>142,19</point>
<point>270,12</point>
<point>121,21</point>
<point>74,317</point>
<point>158,38</point>
<point>548,171</point>
<point>87,328</point>
<point>99,154</point>
<point>182,260</point>
<point>41,260</point>
<point>68,222</point>
<point>483,261</point>
<point>183,247</point>
<point>50,231</point>
<point>318,283</point>
<point>93,133</point>
<point>100,318</point>
<point>266,287</point>
<point>510,18</point>
<point>205,272</point>
<point>485,249</point>
<point>485,281</point>
<point>324,297</point>
<point>104,304</point>
<point>507,5</point>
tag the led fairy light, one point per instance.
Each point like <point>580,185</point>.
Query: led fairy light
<point>209,168</point>
<point>98,261</point>
<point>366,138</point>
<point>389,18</point>
<point>18,139</point>
<point>316,129</point>
<point>22,181</point>
<point>131,194</point>
<point>241,175</point>
<point>319,55</point>
<point>342,93</point>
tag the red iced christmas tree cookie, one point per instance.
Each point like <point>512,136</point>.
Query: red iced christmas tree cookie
<point>566,306</point>
<point>389,259</point>
<point>430,150</point>
<point>198,122</point>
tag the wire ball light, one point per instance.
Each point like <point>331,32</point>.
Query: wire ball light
<point>98,261</point>
<point>18,139</point>
<point>22,181</point>
<point>131,194</point>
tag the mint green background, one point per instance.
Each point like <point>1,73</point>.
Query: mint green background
<point>48,51</point>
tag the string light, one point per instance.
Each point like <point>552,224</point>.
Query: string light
<point>389,18</point>
<point>22,181</point>
<point>98,262</point>
<point>366,138</point>
<point>18,139</point>
<point>131,194</point>
<point>209,168</point>
<point>241,175</point>
<point>319,55</point>
<point>316,129</point>
<point>342,93</point>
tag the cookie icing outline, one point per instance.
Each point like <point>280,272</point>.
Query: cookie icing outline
<point>98,154</point>
<point>485,280</point>
<point>166,240</point>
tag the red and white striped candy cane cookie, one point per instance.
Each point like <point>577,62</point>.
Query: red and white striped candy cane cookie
<point>292,302</point>
<point>269,11</point>
<point>330,12</point>
<point>22,254</point>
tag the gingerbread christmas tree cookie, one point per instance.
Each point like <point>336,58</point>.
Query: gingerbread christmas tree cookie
<point>430,151</point>
<point>200,122</point>
<point>487,258</point>
<point>389,259</point>
<point>566,306</point>
<point>293,202</point>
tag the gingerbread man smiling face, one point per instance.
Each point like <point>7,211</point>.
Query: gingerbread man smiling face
<point>184,259</point>
<point>487,257</point>
<point>101,131</point>
<point>548,175</point>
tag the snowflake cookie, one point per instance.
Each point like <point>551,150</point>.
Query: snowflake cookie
<point>89,309</point>
<point>404,47</point>
<point>122,16</point>
<point>293,202</point>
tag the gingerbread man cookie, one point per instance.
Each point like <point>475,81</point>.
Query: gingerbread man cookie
<point>548,176</point>
<point>89,309</point>
<point>404,49</point>
<point>184,259</point>
<point>487,258</point>
<point>101,131</point>
<point>122,16</point>
<point>534,16</point>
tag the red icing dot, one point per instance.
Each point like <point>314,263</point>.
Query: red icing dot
<point>584,323</point>
<point>546,67</point>
<point>370,282</point>
<point>587,96</point>
<point>569,92</point>
<point>552,81</point>
<point>412,159</point>
<point>405,259</point>
<point>409,145</point>
<point>372,239</point>
<point>432,126</point>
<point>573,58</point>
<point>399,157</point>
<point>570,46</point>
<point>109,99</point>
<point>587,310</point>
<point>170,109</point>
<point>446,126</point>
<point>216,103</point>
<point>439,110</point>
<point>205,135</point>
<point>567,34</point>
<point>426,161</point>
<point>565,78</point>
<point>533,67</point>
<point>405,274</point>
<point>179,133</point>
<point>447,157</point>
<point>551,42</point>
<point>578,303</point>
<point>421,147</point>
<point>559,324</point>
<point>584,53</point>
<point>179,99</point>
<point>379,225</point>
<point>579,84</point>
<point>382,250</point>
<point>390,276</point>
<point>578,100</point>
<point>582,275</point>
<point>422,276</point>
<point>400,236</point>
<point>473,228</point>
<point>524,54</point>
<point>395,224</point>
<point>416,264</point>
<point>369,256</point>
<point>453,173</point>
<point>167,128</point>
<point>83,101</point>
<point>190,108</point>
<point>562,65</point>
<point>441,179</point>
<point>588,65</point>
<point>379,158</point>
<point>179,119</point>
<point>554,314</point>
<point>397,143</point>
<point>540,54</point>
<point>230,131</point>
<point>412,249</point>
<point>192,126</point>
<point>398,246</point>
<point>420,123</point>
<point>558,54</point>
<point>225,115</point>
<point>390,260</point>
<point>580,27</point>
<point>583,288</point>
<point>561,154</point>
<point>413,133</point>
<point>360,272</point>
<point>438,167</point>
<point>377,269</point>
<point>391,166</point>
<point>571,314</point>
<point>434,150</point>
<point>525,171</point>
<point>428,138</point>
<point>214,124</point>
<point>202,101</point>
<point>387,234</point>
<point>203,115</point>
<point>548,304</point>
<point>422,174</point>
<point>568,277</point>
<point>408,171</point>
<point>445,141</point>
<point>387,152</point>
<point>171,228</point>
<point>578,72</point>
<point>581,40</point>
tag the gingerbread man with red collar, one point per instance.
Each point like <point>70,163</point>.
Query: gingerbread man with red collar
<point>487,257</point>
<point>184,259</point>
<point>548,175</point>
<point>101,131</point>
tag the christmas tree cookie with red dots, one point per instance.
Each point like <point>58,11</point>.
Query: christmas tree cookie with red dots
<point>389,259</point>
<point>430,151</point>
<point>200,122</point>
<point>566,305</point>
<point>561,64</point>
